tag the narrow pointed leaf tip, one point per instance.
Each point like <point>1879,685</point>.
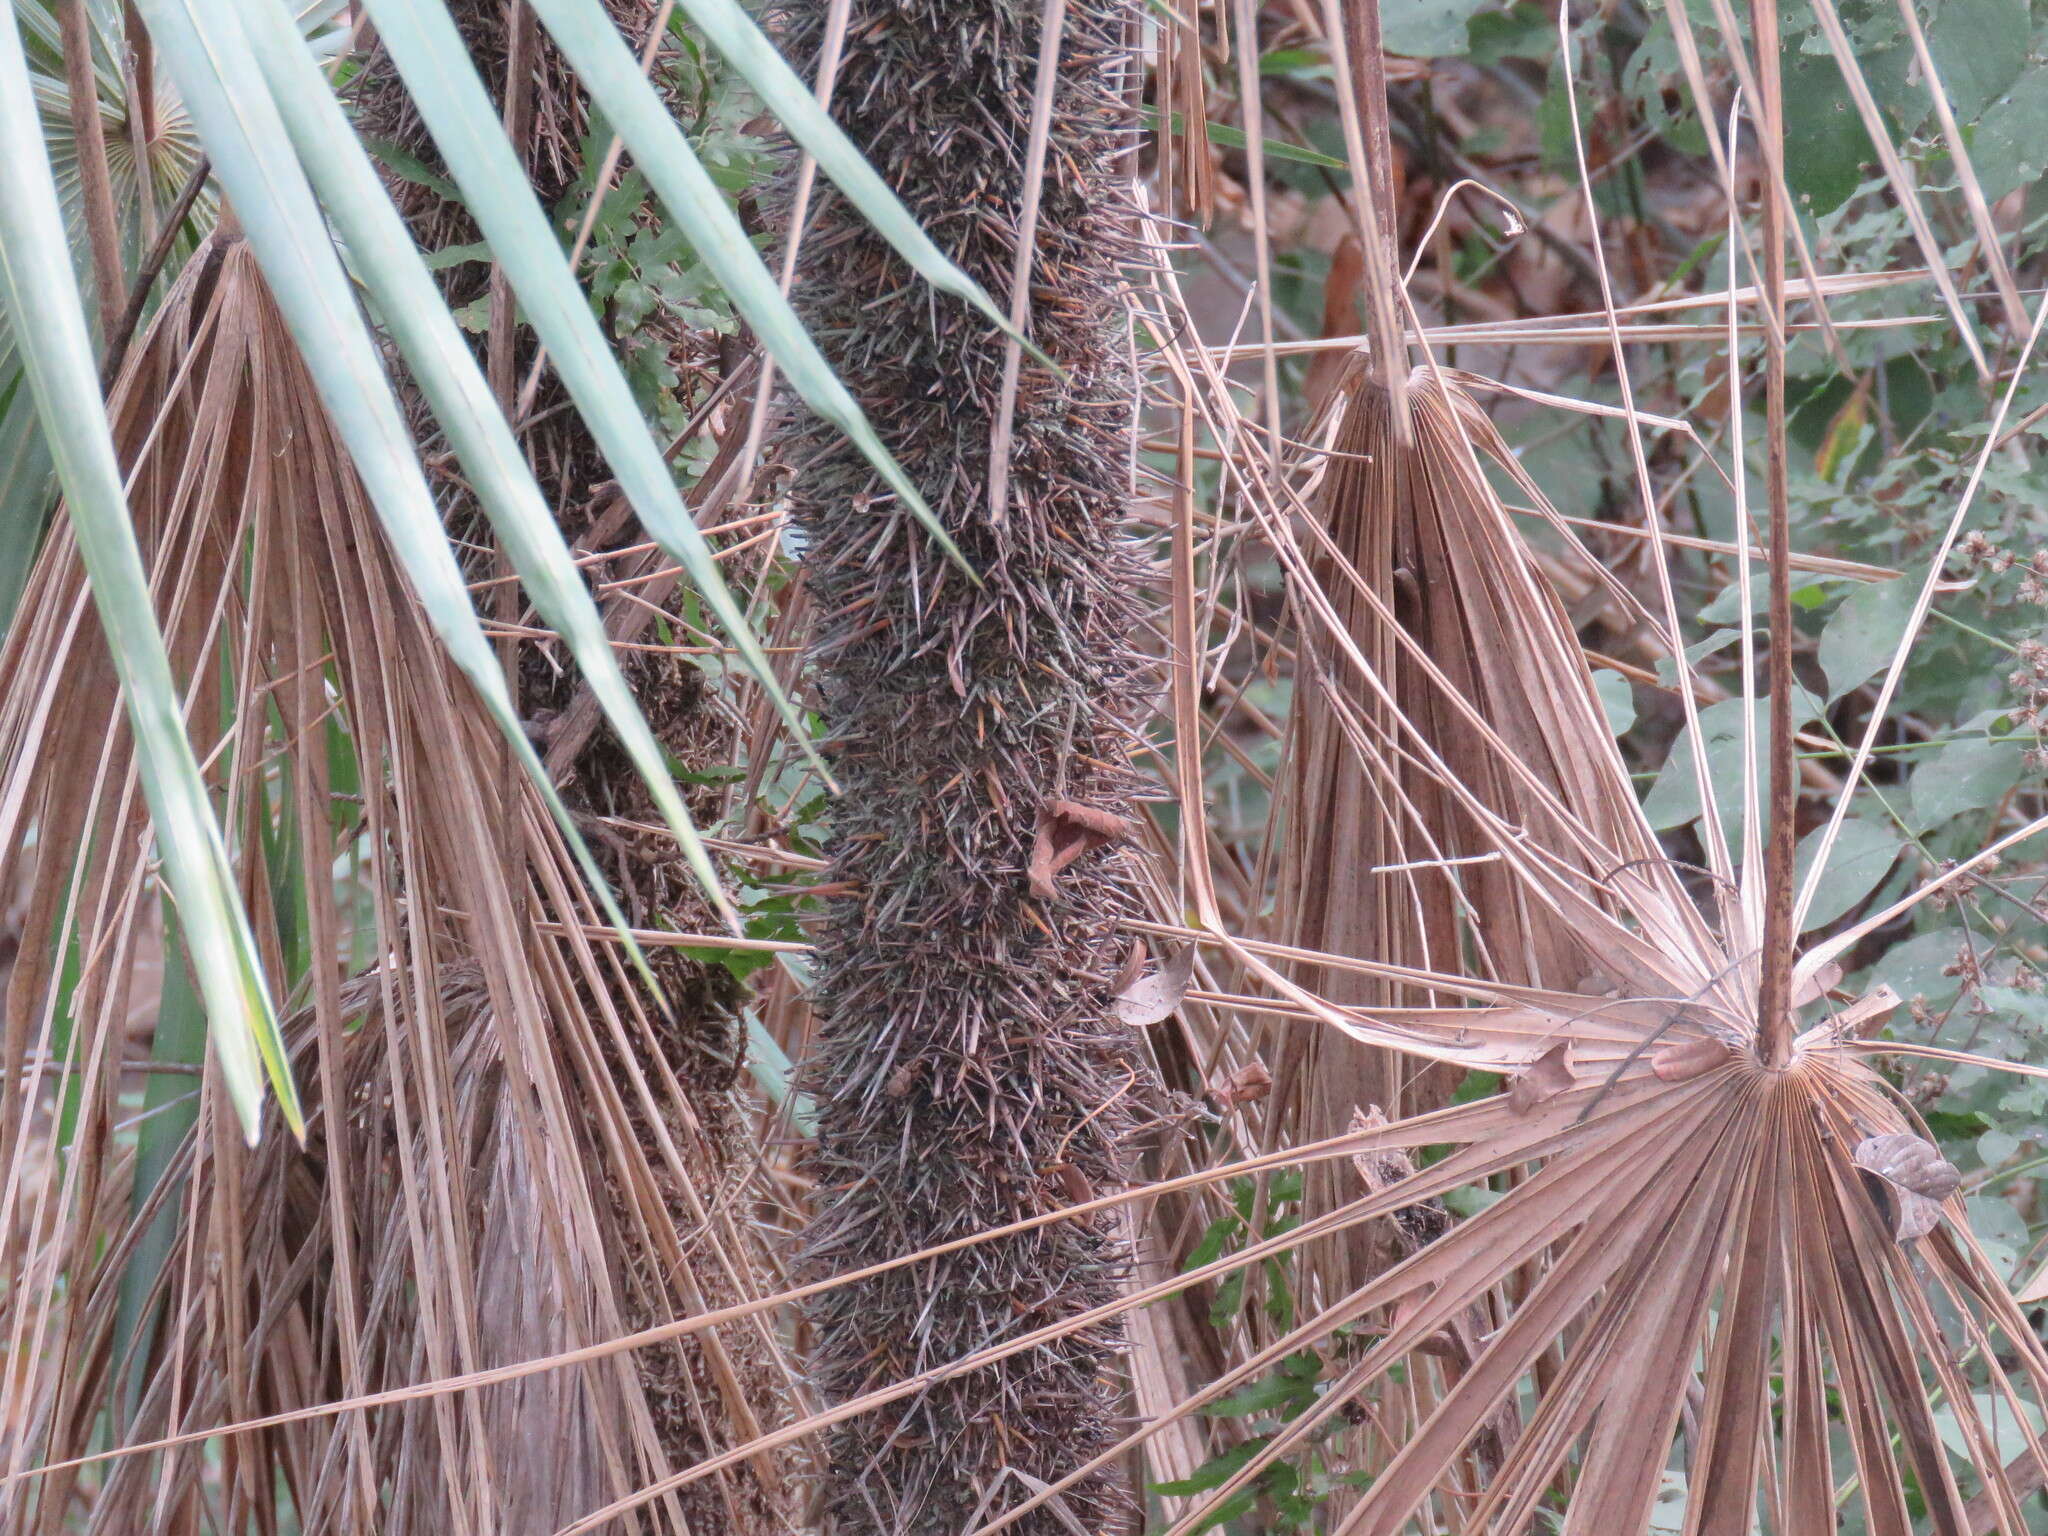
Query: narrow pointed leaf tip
<point>612,75</point>
<point>204,48</point>
<point>397,277</point>
<point>733,33</point>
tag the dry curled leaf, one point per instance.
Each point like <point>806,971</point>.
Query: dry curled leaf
<point>1155,994</point>
<point>1909,1179</point>
<point>1867,1013</point>
<point>1542,1080</point>
<point>1066,830</point>
<point>1247,1085</point>
<point>1132,968</point>
<point>1695,1058</point>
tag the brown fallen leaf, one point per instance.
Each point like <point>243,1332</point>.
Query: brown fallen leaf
<point>1247,1085</point>
<point>1066,830</point>
<point>1155,994</point>
<point>1543,1080</point>
<point>1909,1179</point>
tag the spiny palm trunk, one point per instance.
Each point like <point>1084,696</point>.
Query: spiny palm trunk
<point>970,1070</point>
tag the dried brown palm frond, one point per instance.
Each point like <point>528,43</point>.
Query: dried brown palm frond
<point>696,1037</point>
<point>1698,1259</point>
<point>1435,591</point>
<point>492,1164</point>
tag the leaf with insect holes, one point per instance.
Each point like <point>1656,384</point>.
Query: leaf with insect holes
<point>1909,1179</point>
<point>1825,142</point>
<point>2011,144</point>
<point>1979,49</point>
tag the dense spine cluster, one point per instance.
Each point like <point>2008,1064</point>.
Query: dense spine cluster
<point>970,1068</point>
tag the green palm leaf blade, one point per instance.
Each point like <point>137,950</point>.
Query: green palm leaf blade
<point>729,29</point>
<point>428,51</point>
<point>207,54</point>
<point>37,280</point>
<point>391,267</point>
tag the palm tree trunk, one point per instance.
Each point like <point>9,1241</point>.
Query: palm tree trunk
<point>970,1070</point>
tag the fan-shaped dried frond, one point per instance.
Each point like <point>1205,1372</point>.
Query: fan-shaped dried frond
<point>1483,728</point>
<point>491,1166</point>
<point>1689,1258</point>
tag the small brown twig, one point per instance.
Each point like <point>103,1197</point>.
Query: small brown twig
<point>152,265</point>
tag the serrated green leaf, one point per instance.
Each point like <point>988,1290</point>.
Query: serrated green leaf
<point>1214,1239</point>
<point>1276,1391</point>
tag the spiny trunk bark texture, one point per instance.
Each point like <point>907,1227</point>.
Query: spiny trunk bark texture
<point>970,1068</point>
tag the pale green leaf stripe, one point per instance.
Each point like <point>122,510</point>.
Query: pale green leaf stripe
<point>383,253</point>
<point>730,30</point>
<point>203,47</point>
<point>423,43</point>
<point>663,155</point>
<point>41,291</point>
